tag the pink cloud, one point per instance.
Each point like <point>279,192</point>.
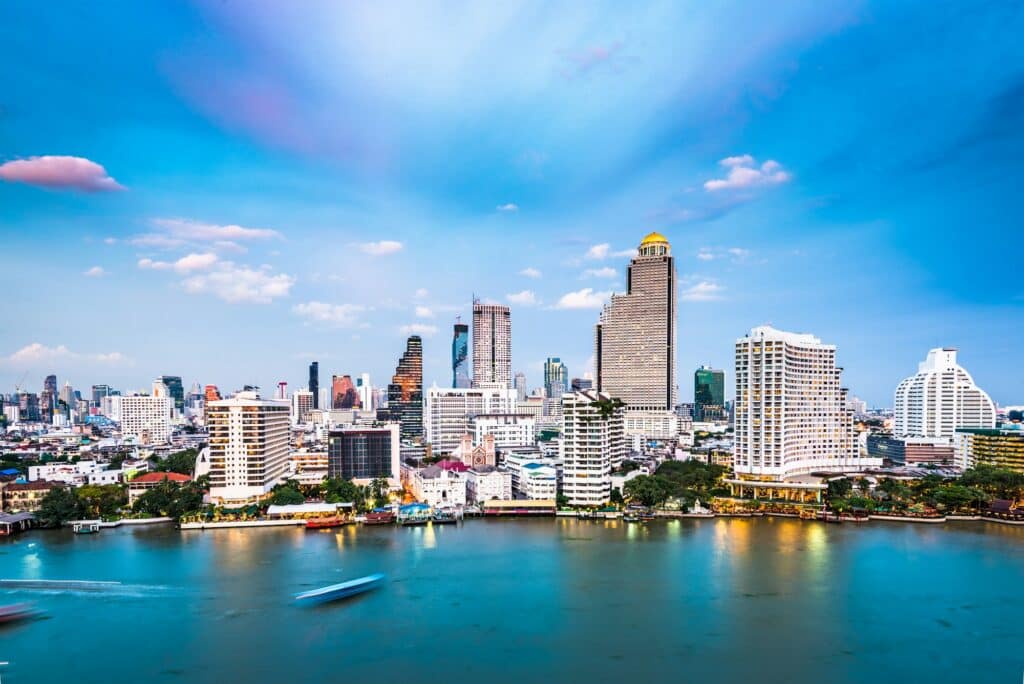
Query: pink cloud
<point>59,172</point>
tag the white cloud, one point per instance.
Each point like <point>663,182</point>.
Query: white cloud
<point>702,291</point>
<point>187,229</point>
<point>340,315</point>
<point>187,263</point>
<point>598,252</point>
<point>381,248</point>
<point>605,272</point>
<point>510,207</point>
<point>95,272</point>
<point>240,284</point>
<point>743,173</point>
<point>530,272</point>
<point>424,312</point>
<point>110,240</point>
<point>524,298</point>
<point>38,353</point>
<point>586,298</point>
<point>419,329</point>
<point>421,293</point>
<point>737,254</point>
<point>705,254</point>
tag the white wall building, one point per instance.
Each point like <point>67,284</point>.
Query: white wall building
<point>538,480</point>
<point>792,415</point>
<point>145,417</point>
<point>248,446</point>
<point>652,424</point>
<point>438,487</point>
<point>487,483</point>
<point>448,412</point>
<point>592,444</point>
<point>940,399</point>
<point>508,429</point>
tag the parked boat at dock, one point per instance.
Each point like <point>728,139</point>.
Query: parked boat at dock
<point>380,517</point>
<point>326,523</point>
<point>414,514</point>
<point>336,592</point>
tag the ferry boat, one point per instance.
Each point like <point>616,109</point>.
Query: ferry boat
<point>325,523</point>
<point>444,516</point>
<point>335,592</point>
<point>414,514</point>
<point>16,612</point>
<point>382,517</point>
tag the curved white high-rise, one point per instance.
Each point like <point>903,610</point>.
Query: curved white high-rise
<point>941,399</point>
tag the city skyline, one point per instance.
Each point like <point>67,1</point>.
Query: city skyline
<point>295,239</point>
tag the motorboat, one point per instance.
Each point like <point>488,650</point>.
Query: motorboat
<point>343,590</point>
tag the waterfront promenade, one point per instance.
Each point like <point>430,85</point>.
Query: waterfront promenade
<point>528,600</point>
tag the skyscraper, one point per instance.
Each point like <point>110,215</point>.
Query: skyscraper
<point>520,386</point>
<point>314,382</point>
<point>635,346</point>
<point>248,446</point>
<point>175,389</point>
<point>460,356</point>
<point>941,399</point>
<point>792,415</point>
<point>211,393</point>
<point>492,346</point>
<point>100,391</point>
<point>405,393</point>
<point>708,394</point>
<point>48,398</point>
<point>556,377</point>
<point>343,393</point>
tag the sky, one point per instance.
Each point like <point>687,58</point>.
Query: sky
<point>229,190</point>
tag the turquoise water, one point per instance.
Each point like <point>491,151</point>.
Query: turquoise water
<point>523,601</point>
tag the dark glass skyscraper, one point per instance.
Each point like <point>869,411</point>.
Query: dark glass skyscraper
<point>460,356</point>
<point>405,393</point>
<point>708,394</point>
<point>48,398</point>
<point>314,383</point>
<point>175,389</point>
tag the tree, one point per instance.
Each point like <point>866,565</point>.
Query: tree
<point>864,485</point>
<point>102,501</point>
<point>183,462</point>
<point>839,488</point>
<point>60,505</point>
<point>170,499</point>
<point>379,488</point>
<point>957,496</point>
<point>340,490</point>
<point>562,501</point>
<point>616,496</point>
<point>286,494</point>
<point>649,490</point>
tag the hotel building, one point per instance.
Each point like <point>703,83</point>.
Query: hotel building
<point>593,442</point>
<point>144,417</point>
<point>449,412</point>
<point>248,446</point>
<point>939,400</point>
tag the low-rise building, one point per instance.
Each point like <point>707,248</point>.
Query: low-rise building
<point>910,451</point>
<point>538,480</point>
<point>26,497</point>
<point>486,483</point>
<point>143,483</point>
<point>436,486</point>
<point>506,429</point>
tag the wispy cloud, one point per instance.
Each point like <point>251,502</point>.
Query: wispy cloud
<point>524,298</point>
<point>587,298</point>
<point>60,173</point>
<point>507,208</point>
<point>95,272</point>
<point>603,272</point>
<point>744,173</point>
<point>530,272</point>
<point>702,291</point>
<point>424,312</point>
<point>735,254</point>
<point>604,250</point>
<point>337,315</point>
<point>38,353</point>
<point>419,329</point>
<point>175,233</point>
<point>381,248</point>
<point>421,293</point>
<point>187,263</point>
<point>240,284</point>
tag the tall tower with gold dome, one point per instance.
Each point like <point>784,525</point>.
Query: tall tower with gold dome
<point>635,348</point>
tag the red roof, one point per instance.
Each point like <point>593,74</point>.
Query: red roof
<point>153,478</point>
<point>456,466</point>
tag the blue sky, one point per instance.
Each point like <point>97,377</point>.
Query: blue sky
<point>234,189</point>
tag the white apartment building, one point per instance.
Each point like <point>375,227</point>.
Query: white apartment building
<point>436,486</point>
<point>635,340</point>
<point>487,483</point>
<point>508,429</point>
<point>248,446</point>
<point>302,405</point>
<point>492,346</point>
<point>792,415</point>
<point>144,417</point>
<point>592,444</point>
<point>449,412</point>
<point>940,399</point>
<point>652,424</point>
<point>538,480</point>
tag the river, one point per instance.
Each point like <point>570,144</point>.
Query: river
<point>495,601</point>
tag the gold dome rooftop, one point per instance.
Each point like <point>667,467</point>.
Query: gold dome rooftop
<point>654,238</point>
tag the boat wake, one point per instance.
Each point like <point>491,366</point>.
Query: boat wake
<point>86,587</point>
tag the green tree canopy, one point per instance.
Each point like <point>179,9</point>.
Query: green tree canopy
<point>60,505</point>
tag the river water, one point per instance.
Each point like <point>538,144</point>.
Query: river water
<point>723,600</point>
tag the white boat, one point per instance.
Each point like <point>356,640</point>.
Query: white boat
<point>340,591</point>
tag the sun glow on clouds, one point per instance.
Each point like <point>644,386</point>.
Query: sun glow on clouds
<point>61,173</point>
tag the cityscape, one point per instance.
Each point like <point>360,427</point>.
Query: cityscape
<point>659,449</point>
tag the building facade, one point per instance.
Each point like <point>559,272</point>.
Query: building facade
<point>487,483</point>
<point>708,394</point>
<point>507,429</point>
<point>791,414</point>
<point>492,346</point>
<point>940,399</point>
<point>144,417</point>
<point>405,393</point>
<point>343,393</point>
<point>314,383</point>
<point>593,443</point>
<point>248,446</point>
<point>1000,448</point>
<point>449,413</point>
<point>302,405</point>
<point>635,340</point>
<point>556,377</point>
<point>364,453</point>
<point>460,356</point>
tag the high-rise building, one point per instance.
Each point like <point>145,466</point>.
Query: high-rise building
<point>940,399</point>
<point>211,393</point>
<point>449,412</point>
<point>364,453</point>
<point>708,394</point>
<point>248,446</point>
<point>492,345</point>
<point>791,414</point>
<point>593,442</point>
<point>579,384</point>
<point>460,356</point>
<point>635,348</point>
<point>100,391</point>
<point>66,398</point>
<point>405,393</point>
<point>365,391</point>
<point>145,417</point>
<point>28,407</point>
<point>314,383</point>
<point>48,398</point>
<point>175,389</point>
<point>520,386</point>
<point>302,404</point>
<point>999,448</point>
<point>556,377</point>
<point>343,393</point>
